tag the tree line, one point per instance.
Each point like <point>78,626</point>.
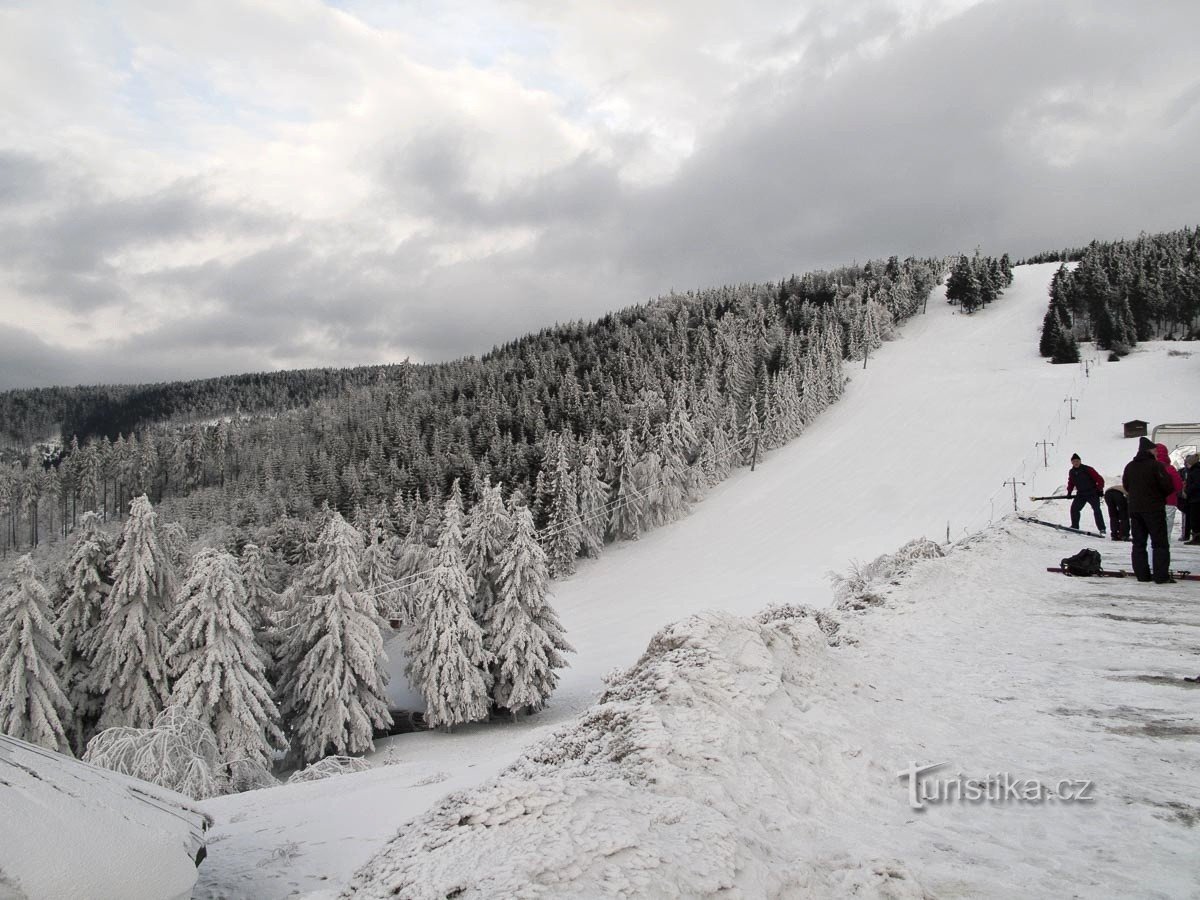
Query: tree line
<point>1122,292</point>
<point>261,556</point>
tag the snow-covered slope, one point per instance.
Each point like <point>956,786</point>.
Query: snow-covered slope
<point>922,440</point>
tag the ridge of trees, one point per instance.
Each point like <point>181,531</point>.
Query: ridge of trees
<point>246,611</point>
<point>1122,292</point>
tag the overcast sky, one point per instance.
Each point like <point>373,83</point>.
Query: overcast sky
<point>197,188</point>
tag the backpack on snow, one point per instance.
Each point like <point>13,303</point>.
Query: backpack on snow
<point>1084,563</point>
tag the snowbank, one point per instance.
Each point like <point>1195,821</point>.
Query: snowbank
<point>692,775</point>
<point>72,830</point>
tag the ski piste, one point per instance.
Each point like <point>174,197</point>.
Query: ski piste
<point>1066,528</point>
<point>1181,575</point>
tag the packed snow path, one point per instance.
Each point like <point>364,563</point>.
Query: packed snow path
<point>923,437</point>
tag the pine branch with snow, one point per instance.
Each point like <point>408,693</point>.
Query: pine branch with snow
<point>33,706</point>
<point>178,751</point>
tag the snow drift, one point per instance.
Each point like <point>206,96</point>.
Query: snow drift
<point>69,829</point>
<point>694,774</point>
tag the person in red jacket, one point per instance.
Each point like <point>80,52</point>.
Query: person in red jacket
<point>1164,456</point>
<point>1087,485</point>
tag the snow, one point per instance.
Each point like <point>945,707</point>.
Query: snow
<point>73,830</point>
<point>982,660</point>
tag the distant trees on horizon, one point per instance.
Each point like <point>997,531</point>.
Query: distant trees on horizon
<point>1122,292</point>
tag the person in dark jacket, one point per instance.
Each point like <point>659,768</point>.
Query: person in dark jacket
<point>1148,486</point>
<point>1191,500</point>
<point>1118,511</point>
<point>1087,485</point>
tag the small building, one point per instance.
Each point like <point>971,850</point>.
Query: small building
<point>1135,428</point>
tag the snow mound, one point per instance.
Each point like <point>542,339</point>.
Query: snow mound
<point>864,584</point>
<point>69,829</point>
<point>693,775</point>
<point>329,767</point>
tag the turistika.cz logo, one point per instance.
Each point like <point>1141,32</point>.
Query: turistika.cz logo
<point>1000,787</point>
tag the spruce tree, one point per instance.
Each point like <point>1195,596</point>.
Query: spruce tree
<point>334,697</point>
<point>522,630</point>
<point>33,706</point>
<point>629,504</point>
<point>593,504</point>
<point>488,530</point>
<point>447,661</point>
<point>87,582</point>
<point>130,666</point>
<point>261,598</point>
<point>562,527</point>
<point>220,670</point>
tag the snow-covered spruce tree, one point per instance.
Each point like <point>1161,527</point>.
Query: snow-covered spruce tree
<point>628,502</point>
<point>220,670</point>
<point>86,583</point>
<point>261,598</point>
<point>522,630</point>
<point>488,530</point>
<point>593,504</point>
<point>563,529</point>
<point>129,652</point>
<point>334,698</point>
<point>447,662</point>
<point>32,703</point>
<point>379,564</point>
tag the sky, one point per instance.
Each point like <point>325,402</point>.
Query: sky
<point>202,188</point>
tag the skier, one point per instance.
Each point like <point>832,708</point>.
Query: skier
<point>1148,486</point>
<point>1087,484</point>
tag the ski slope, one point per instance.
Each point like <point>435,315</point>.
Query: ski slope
<point>920,444</point>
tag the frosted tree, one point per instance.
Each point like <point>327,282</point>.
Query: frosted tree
<point>628,502</point>
<point>488,529</point>
<point>563,529</point>
<point>447,661</point>
<point>130,647</point>
<point>86,583</point>
<point>219,669</point>
<point>379,565</point>
<point>261,598</point>
<point>522,630</point>
<point>593,504</point>
<point>334,697</point>
<point>32,703</point>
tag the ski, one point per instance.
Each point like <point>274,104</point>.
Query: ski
<point>1181,575</point>
<point>1052,497</point>
<point>1066,528</point>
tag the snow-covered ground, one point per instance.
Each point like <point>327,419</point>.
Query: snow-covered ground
<point>982,660</point>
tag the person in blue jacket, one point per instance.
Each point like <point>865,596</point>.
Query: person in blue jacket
<point>1088,485</point>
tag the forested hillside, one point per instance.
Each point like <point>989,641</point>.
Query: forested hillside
<point>402,434</point>
<point>227,585</point>
<point>1122,292</point>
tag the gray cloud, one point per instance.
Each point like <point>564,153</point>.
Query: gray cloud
<point>1014,126</point>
